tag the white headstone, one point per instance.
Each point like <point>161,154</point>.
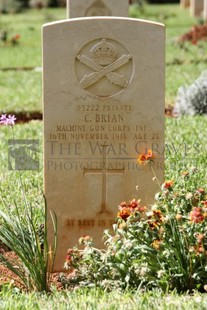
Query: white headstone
<point>196,7</point>
<point>103,106</point>
<point>205,10</point>
<point>87,8</point>
<point>185,3</point>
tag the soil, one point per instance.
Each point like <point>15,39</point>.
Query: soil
<point>8,277</point>
<point>25,117</point>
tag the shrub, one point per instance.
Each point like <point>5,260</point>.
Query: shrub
<point>164,245</point>
<point>192,100</point>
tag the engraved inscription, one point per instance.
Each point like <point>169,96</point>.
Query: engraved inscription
<point>104,67</point>
<point>98,8</point>
<point>88,223</point>
<point>104,171</point>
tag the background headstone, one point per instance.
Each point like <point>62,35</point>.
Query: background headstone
<point>205,11</point>
<point>196,7</point>
<point>103,106</point>
<point>87,8</point>
<point>185,3</point>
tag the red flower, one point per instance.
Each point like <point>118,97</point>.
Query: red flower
<point>123,204</point>
<point>124,213</point>
<point>69,256</point>
<point>201,190</point>
<point>142,159</point>
<point>200,237</point>
<point>85,239</point>
<point>130,208</point>
<point>150,155</point>
<point>196,215</point>
<point>146,158</point>
<point>17,36</point>
<point>168,184</point>
<point>142,209</point>
<point>133,203</point>
<point>204,203</point>
<point>155,219</point>
<point>199,249</point>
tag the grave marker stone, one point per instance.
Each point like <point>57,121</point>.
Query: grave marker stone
<point>196,7</point>
<point>103,106</point>
<point>185,3</point>
<point>205,11</point>
<point>87,8</point>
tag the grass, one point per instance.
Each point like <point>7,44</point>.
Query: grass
<point>28,25</point>
<point>21,91</point>
<point>25,94</point>
<point>97,299</point>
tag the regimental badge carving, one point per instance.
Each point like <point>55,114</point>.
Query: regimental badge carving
<point>104,67</point>
<point>98,8</point>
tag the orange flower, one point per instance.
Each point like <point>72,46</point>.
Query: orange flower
<point>146,158</point>
<point>158,215</point>
<point>17,36</point>
<point>178,217</point>
<point>142,159</point>
<point>168,184</point>
<point>185,174</point>
<point>200,237</point>
<point>204,203</point>
<point>150,155</point>
<point>201,190</point>
<point>124,213</point>
<point>196,215</point>
<point>85,239</point>
<point>199,249</point>
<point>69,256</point>
<point>156,244</point>
<point>155,219</point>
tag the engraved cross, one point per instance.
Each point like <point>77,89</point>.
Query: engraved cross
<point>104,171</point>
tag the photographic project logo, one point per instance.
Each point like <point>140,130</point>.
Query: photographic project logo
<point>23,154</point>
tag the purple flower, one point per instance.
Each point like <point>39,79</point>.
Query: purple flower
<point>10,120</point>
<point>3,119</point>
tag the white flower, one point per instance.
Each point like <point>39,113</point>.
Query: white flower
<point>160,273</point>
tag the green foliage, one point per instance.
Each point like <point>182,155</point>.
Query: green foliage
<point>163,245</point>
<point>19,231</point>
